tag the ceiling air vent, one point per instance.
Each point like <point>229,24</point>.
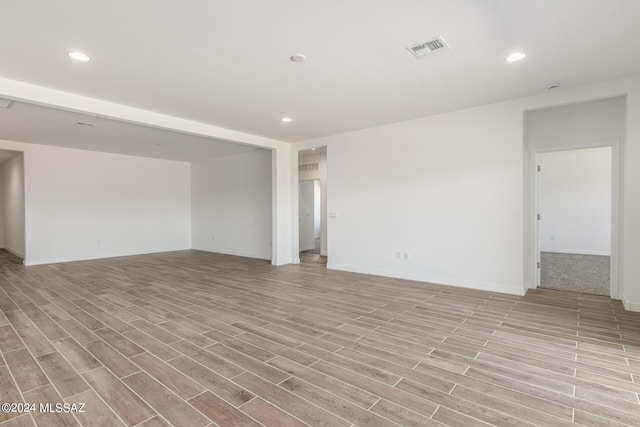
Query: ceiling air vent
<point>435,45</point>
<point>308,167</point>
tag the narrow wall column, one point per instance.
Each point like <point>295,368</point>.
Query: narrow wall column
<point>283,205</point>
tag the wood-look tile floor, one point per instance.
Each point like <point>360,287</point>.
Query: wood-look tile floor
<point>197,339</point>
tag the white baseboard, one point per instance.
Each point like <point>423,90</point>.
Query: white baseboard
<point>14,252</point>
<point>630,305</point>
<point>307,248</point>
<point>492,287</point>
<point>44,261</point>
<point>236,253</point>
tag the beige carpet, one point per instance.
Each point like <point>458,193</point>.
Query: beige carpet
<point>585,274</point>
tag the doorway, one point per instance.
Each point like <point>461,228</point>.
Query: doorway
<point>12,203</point>
<point>590,124</point>
<point>310,219</point>
<point>574,189</point>
<point>312,205</point>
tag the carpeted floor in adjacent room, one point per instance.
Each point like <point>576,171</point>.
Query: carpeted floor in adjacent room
<point>585,274</point>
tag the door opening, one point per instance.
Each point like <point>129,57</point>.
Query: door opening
<point>312,205</point>
<point>310,219</point>
<point>12,207</point>
<point>574,190</point>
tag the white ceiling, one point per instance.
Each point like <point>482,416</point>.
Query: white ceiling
<point>48,126</point>
<point>226,62</point>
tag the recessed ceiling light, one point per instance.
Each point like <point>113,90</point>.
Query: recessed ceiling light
<point>298,57</point>
<point>314,149</point>
<point>552,86</point>
<point>287,119</point>
<point>79,56</point>
<point>517,56</point>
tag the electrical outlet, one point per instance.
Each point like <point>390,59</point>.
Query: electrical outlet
<point>405,256</point>
<point>398,255</point>
<point>213,237</point>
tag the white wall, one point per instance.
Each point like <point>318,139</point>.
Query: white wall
<point>445,189</point>
<point>321,175</point>
<point>574,200</point>
<point>451,191</point>
<point>576,124</point>
<point>83,204</point>
<point>13,185</point>
<point>231,204</point>
<point>630,277</point>
<point>284,206</point>
<point>1,206</point>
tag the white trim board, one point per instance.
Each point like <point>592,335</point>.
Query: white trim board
<point>444,281</point>
<point>14,252</point>
<point>630,305</point>
<point>240,254</point>
<point>45,261</point>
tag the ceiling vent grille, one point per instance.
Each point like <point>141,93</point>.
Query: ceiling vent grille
<point>435,45</point>
<point>308,167</point>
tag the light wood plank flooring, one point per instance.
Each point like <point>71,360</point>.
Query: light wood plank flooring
<point>197,339</point>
